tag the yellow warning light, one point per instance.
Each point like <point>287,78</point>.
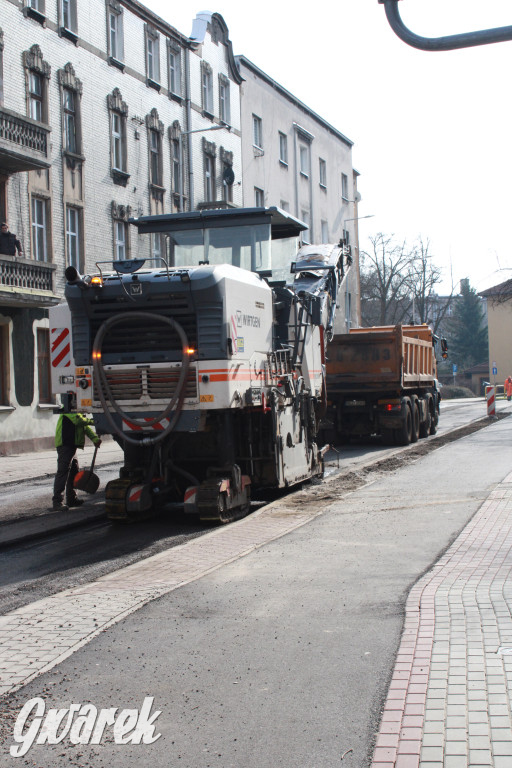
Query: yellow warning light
<point>97,281</point>
<point>190,351</point>
<point>96,355</point>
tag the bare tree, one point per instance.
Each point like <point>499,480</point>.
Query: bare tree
<point>424,276</point>
<point>385,287</point>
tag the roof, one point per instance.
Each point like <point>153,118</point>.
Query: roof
<point>282,223</point>
<point>242,60</point>
<point>502,289</point>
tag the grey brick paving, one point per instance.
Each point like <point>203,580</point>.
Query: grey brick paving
<point>460,612</point>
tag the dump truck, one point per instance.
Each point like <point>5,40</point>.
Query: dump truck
<point>383,381</point>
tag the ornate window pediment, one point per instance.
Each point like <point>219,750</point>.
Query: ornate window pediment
<point>115,102</point>
<point>209,147</point>
<point>68,79</point>
<point>153,122</point>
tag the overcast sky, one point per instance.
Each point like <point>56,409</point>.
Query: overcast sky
<point>431,131</point>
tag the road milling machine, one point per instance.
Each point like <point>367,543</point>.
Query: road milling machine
<point>207,364</point>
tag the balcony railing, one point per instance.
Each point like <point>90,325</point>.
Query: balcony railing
<point>22,277</point>
<point>24,142</point>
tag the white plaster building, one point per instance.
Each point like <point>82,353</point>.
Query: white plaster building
<point>294,159</point>
<point>106,112</point>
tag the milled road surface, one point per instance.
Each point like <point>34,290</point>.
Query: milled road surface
<point>282,658</point>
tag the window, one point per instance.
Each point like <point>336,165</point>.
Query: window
<point>37,5</point>
<point>118,112</point>
<point>306,235</point>
<point>36,96</point>
<point>174,68</point>
<point>176,166</point>
<point>43,365</point>
<point>73,237</point>
<point>39,229</point>
<point>209,178</point>
<point>121,230</point>
<point>4,365</point>
<point>228,177</point>
<point>283,148</point>
<point>69,109</point>
<point>37,75</point>
<point>156,246</point>
<point>177,179</point>
<point>304,159</point>
<point>224,99</point>
<point>119,240</point>
<point>257,131</point>
<point>115,31</point>
<point>68,18</point>
<point>71,91</point>
<point>322,168</point>
<point>152,55</point>
<point>154,158</point>
<point>259,197</point>
<point>344,186</point>
<point>209,156</point>
<point>207,87</point>
<point>325,231</point>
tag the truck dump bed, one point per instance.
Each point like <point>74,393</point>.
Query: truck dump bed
<point>381,358</point>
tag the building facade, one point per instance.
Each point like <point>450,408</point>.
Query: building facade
<point>106,112</point>
<point>499,319</point>
<point>296,160</point>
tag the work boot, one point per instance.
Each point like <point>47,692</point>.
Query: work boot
<point>76,502</point>
<point>59,506</point>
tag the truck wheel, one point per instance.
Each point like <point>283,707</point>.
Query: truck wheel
<point>434,419</point>
<point>403,435</point>
<point>415,431</point>
<point>425,426</point>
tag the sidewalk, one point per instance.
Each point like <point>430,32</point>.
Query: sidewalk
<point>449,701</point>
<point>40,464</point>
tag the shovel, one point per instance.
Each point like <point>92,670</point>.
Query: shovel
<point>86,480</point>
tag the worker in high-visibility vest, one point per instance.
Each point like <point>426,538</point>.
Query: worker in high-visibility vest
<point>508,388</point>
<point>70,435</point>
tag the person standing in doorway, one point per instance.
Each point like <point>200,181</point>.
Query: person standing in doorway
<point>9,243</point>
<point>70,435</point>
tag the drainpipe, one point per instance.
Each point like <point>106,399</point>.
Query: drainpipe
<point>188,114</point>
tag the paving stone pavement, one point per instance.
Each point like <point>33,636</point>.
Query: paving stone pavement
<point>449,701</point>
<point>36,637</point>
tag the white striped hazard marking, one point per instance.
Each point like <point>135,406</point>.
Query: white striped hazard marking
<point>159,426</point>
<point>60,347</point>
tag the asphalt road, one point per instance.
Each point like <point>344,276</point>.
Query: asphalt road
<point>42,567</point>
<point>282,658</point>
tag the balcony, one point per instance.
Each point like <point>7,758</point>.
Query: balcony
<point>27,283</point>
<point>24,143</point>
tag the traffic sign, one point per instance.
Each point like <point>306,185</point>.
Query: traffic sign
<point>494,371</point>
<point>454,368</point>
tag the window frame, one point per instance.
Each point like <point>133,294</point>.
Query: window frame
<point>118,113</point>
<point>209,178</point>
<point>259,197</point>
<point>152,38</point>
<point>115,34</point>
<point>305,216</point>
<point>74,236</point>
<point>155,158</point>
<point>69,30</point>
<point>344,187</point>
<point>37,227</point>
<point>305,167</point>
<point>283,148</point>
<point>174,68</point>
<point>207,88</point>
<point>71,85</point>
<point>224,99</point>
<point>322,172</point>
<point>36,67</point>
<point>257,132</point>
<point>324,226</point>
<point>35,99</point>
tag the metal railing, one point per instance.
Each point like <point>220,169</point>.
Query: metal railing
<point>24,273</point>
<point>23,132</point>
